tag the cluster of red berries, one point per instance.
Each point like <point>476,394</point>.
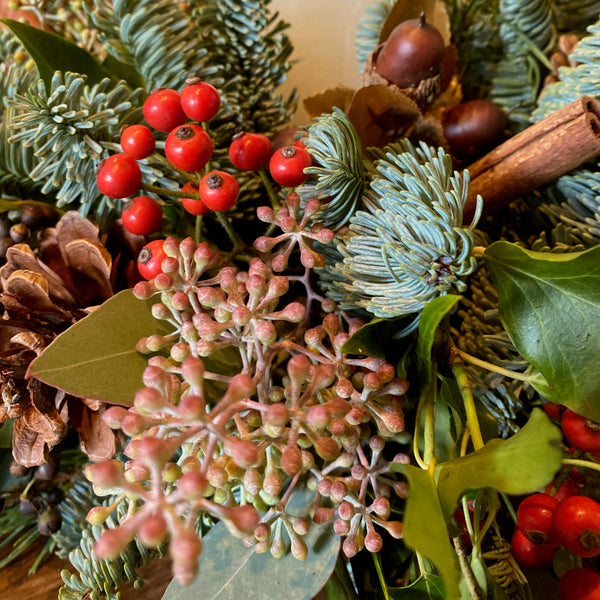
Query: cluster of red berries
<point>562,516</point>
<point>189,147</point>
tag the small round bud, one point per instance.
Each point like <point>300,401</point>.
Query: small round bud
<point>153,530</point>
<point>111,543</point>
<point>291,460</point>
<point>373,541</point>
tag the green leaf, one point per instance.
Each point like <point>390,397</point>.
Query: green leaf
<point>425,527</point>
<point>96,357</point>
<point>367,341</point>
<point>550,307</point>
<point>429,321</point>
<point>520,465</point>
<point>229,570</point>
<point>52,53</point>
<point>6,430</point>
<point>426,587</point>
<point>121,70</point>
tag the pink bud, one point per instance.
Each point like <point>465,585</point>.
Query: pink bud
<point>394,528</point>
<point>204,257</point>
<point>339,490</point>
<point>240,387</point>
<point>114,415</point>
<point>346,510</point>
<point>153,530</point>
<point>265,332</point>
<point>373,541</point>
<point>327,448</point>
<point>171,247</point>
<point>323,515</point>
<point>143,290</point>
<point>192,370</point>
<point>98,515</point>
<point>351,547</point>
<point>293,313</point>
<point>106,474</point>
<point>155,451</point>
<point>191,408</point>
<point>185,548</point>
<point>341,527</point>
<point>264,243</point>
<point>265,214</point>
<point>277,415</point>
<point>133,424</point>
<point>325,236</point>
<point>244,519</point>
<point>180,301</point>
<point>298,367</point>
<point>272,484</point>
<point>244,453</point>
<point>299,548</point>
<point>163,281</point>
<point>210,297</point>
<point>291,460</point>
<point>318,416</point>
<point>111,543</point>
<point>381,507</point>
<point>184,574</point>
<point>136,470</point>
<point>147,400</point>
<point>252,481</point>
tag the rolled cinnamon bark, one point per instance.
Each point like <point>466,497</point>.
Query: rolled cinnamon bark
<point>562,141</point>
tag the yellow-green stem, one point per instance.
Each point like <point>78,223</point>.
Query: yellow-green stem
<point>484,364</point>
<point>270,191</point>
<point>466,392</point>
<point>586,464</point>
<point>380,576</point>
<point>226,224</point>
<point>198,229</point>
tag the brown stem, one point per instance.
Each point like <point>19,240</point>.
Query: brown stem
<point>536,156</point>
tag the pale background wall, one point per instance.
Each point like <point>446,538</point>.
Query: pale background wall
<point>323,34</point>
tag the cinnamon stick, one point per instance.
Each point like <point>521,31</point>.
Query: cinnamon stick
<point>537,155</point>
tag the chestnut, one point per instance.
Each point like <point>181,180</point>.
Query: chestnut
<point>473,127</point>
<point>414,51</point>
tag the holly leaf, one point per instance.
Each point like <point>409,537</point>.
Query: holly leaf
<point>96,357</point>
<point>429,321</point>
<point>52,53</point>
<point>229,570</point>
<point>425,528</point>
<point>550,307</point>
<point>519,465</point>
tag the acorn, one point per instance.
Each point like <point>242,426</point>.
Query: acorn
<point>413,52</point>
<point>473,128</point>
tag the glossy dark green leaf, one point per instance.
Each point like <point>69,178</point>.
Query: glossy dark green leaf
<point>96,357</point>
<point>120,70</point>
<point>368,339</point>
<point>230,571</point>
<point>6,430</point>
<point>550,306</point>
<point>429,321</point>
<point>425,527</point>
<point>519,465</point>
<point>51,53</point>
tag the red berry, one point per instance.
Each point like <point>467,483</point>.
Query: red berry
<point>579,584</point>
<point>287,166</point>
<point>576,525</point>
<point>200,100</point>
<point>529,555</point>
<point>137,141</point>
<point>150,259</point>
<point>188,147</point>
<point>118,176</point>
<point>194,206</point>
<point>534,517</point>
<point>569,487</point>
<point>219,190</point>
<point>250,151</point>
<point>554,411</point>
<point>142,215</point>
<point>162,109</point>
<point>581,432</point>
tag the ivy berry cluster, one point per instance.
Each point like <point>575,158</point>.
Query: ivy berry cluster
<point>249,398</point>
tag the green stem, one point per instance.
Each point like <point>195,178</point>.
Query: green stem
<point>464,385</point>
<point>198,229</point>
<point>270,191</point>
<point>429,426</point>
<point>226,224</point>
<point>586,464</point>
<point>159,191</point>
<point>380,576</point>
<point>484,364</point>
<point>474,590</point>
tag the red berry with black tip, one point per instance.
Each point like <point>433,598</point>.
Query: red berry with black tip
<point>414,51</point>
<point>137,141</point>
<point>472,128</point>
<point>188,147</point>
<point>194,206</point>
<point>219,190</point>
<point>576,525</point>
<point>250,151</point>
<point>150,259</point>
<point>200,100</point>
<point>118,176</point>
<point>583,433</point>
<point>142,215</point>
<point>529,555</point>
<point>287,166</point>
<point>534,517</point>
<point>162,109</point>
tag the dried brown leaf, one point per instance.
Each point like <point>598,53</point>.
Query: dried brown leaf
<point>324,102</point>
<point>72,226</point>
<point>28,446</point>
<point>96,438</point>
<point>30,289</point>
<point>381,113</point>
